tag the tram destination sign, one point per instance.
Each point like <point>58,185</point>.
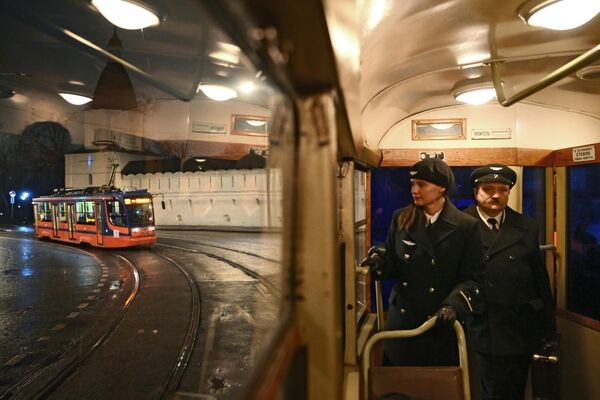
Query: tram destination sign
<point>585,153</point>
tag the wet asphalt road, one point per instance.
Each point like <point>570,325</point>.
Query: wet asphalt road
<point>45,292</point>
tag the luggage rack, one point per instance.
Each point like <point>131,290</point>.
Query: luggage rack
<point>423,382</point>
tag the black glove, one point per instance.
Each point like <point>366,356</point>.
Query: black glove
<point>446,316</point>
<point>375,262</point>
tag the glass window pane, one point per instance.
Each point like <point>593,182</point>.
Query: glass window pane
<point>360,237</point>
<point>534,196</point>
<point>221,171</point>
<point>583,256</point>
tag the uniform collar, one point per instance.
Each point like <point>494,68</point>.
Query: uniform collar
<point>484,217</point>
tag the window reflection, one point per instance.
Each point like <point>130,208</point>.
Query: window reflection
<point>534,197</point>
<point>583,255</point>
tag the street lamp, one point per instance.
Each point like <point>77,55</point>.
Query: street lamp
<point>12,195</point>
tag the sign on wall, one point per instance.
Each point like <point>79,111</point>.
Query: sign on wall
<point>585,153</point>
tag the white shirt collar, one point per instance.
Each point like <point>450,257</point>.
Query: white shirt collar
<point>430,219</point>
<point>484,217</point>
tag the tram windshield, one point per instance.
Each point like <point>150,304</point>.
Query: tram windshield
<point>139,210</point>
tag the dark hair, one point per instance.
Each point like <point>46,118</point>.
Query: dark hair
<point>408,216</point>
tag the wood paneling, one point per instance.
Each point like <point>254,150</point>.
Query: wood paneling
<point>470,156</point>
<point>564,157</point>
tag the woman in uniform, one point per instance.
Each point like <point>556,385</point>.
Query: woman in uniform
<point>433,251</point>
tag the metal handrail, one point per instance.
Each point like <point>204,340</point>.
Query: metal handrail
<point>399,334</point>
<point>378,297</point>
<point>558,74</point>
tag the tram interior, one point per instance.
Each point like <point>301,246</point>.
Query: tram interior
<point>341,96</point>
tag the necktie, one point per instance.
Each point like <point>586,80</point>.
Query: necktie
<point>494,224</point>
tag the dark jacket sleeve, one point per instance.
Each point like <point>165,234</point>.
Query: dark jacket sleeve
<point>467,293</point>
<point>390,258</point>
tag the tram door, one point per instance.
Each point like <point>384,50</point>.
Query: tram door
<point>71,218</point>
<point>55,220</point>
<point>98,212</point>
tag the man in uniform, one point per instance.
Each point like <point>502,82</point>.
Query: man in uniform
<point>518,308</point>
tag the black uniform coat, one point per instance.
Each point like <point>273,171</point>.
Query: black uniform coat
<point>433,266</point>
<point>518,309</point>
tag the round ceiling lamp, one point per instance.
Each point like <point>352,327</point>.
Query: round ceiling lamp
<point>130,14</point>
<point>474,91</point>
<point>76,99</point>
<point>218,92</point>
<point>558,14</point>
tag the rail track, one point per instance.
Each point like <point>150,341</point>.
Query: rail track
<point>178,320</point>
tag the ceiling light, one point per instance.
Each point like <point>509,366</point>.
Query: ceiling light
<point>130,14</point>
<point>218,92</point>
<point>74,92</point>
<point>474,91</point>
<point>75,98</point>
<point>558,14</point>
<point>247,87</point>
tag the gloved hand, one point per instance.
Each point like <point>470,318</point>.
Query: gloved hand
<point>446,316</point>
<point>375,262</point>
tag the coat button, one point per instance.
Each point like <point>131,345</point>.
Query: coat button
<point>405,284</point>
<point>402,311</point>
<point>431,290</point>
<point>511,258</point>
<point>433,261</point>
<point>487,258</point>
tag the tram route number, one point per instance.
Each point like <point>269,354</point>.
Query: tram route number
<point>586,153</point>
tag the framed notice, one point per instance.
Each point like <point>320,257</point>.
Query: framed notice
<point>434,129</point>
<point>250,125</point>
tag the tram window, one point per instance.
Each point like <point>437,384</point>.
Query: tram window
<point>534,196</point>
<point>583,253</point>
<point>62,212</point>
<point>360,237</point>
<point>268,202</point>
<point>140,214</point>
<point>85,212</point>
<point>116,214</point>
<point>44,212</point>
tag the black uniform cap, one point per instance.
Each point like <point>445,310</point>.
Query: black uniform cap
<point>494,173</point>
<point>433,170</point>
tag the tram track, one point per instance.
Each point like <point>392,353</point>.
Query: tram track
<point>28,389</point>
<point>64,374</point>
<point>210,356</point>
<point>251,272</point>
